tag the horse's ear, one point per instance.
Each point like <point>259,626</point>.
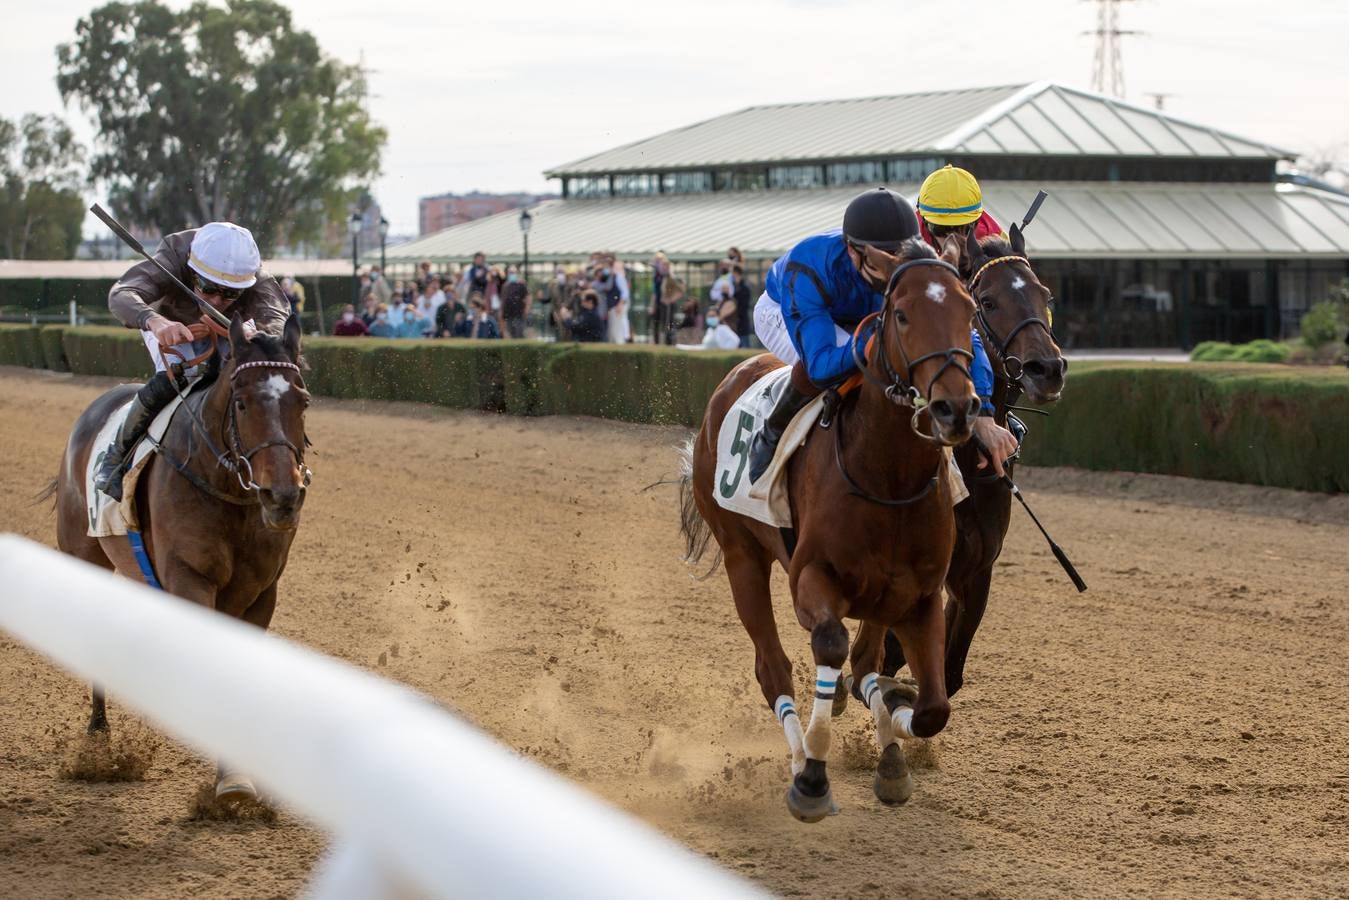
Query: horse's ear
<point>878,259</point>
<point>973,251</point>
<point>237,339</point>
<point>1018,240</point>
<point>290,338</point>
<point>950,249</point>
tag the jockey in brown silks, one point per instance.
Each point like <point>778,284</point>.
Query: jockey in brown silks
<point>220,261</point>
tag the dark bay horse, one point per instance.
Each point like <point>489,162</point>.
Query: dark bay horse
<point>872,510</point>
<point>219,503</point>
<point>1014,321</point>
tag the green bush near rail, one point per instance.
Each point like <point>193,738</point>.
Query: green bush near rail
<point>20,346</point>
<point>96,350</point>
<point>1254,424</point>
<point>1260,424</point>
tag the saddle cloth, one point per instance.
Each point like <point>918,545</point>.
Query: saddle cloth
<point>107,517</point>
<point>767,499</point>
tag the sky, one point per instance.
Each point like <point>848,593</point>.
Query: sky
<point>488,95</point>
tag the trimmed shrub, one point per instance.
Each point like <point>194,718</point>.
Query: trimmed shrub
<point>1321,324</point>
<point>1213,351</point>
<point>53,348</point>
<point>19,346</point>
<point>97,350</point>
<point>1282,427</point>
<point>1263,351</point>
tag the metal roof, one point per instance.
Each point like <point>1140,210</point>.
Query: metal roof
<point>1035,119</point>
<point>1084,220</point>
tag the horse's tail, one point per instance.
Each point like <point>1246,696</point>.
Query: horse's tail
<point>47,493</point>
<point>691,523</point>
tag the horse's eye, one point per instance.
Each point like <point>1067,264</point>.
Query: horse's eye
<point>900,317</point>
<point>989,303</point>
<point>239,405</point>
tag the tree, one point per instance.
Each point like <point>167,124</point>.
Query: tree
<point>41,208</point>
<point>219,113</point>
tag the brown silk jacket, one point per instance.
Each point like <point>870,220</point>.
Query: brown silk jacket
<point>144,291</point>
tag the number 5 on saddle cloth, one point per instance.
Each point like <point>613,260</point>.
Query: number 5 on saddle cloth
<point>766,500</point>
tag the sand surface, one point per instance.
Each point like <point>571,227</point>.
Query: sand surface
<point>1181,729</point>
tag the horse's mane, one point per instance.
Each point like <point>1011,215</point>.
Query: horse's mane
<point>916,248</point>
<point>995,246</point>
<point>269,346</point>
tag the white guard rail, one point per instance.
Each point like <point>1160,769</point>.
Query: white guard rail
<point>420,803</point>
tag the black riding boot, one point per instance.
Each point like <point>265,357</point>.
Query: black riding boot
<point>153,396</point>
<point>765,442</point>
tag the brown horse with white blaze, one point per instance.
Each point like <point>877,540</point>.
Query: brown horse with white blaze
<point>219,502</point>
<point>872,511</point>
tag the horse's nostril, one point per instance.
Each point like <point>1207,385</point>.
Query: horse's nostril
<point>972,408</point>
<point>941,409</point>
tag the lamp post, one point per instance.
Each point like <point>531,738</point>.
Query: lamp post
<point>354,226</point>
<point>383,237</point>
<point>527,220</point>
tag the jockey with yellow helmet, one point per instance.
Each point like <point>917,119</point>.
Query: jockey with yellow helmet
<point>950,202</point>
<point>221,263</point>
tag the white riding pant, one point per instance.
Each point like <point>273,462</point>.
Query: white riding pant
<point>771,329</point>
<point>188,351</point>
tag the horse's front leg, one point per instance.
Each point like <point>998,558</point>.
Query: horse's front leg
<point>819,608</point>
<point>892,784</point>
<point>964,610</point>
<point>230,783</point>
<point>922,634</point>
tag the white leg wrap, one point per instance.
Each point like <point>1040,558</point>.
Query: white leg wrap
<point>817,735</point>
<point>871,693</point>
<point>902,721</point>
<point>785,709</point>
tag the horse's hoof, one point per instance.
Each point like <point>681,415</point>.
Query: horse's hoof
<point>893,784</point>
<point>235,787</point>
<point>810,809</point>
<point>841,692</point>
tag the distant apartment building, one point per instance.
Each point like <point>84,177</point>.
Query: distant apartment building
<point>442,211</point>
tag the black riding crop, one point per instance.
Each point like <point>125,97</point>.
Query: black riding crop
<point>1054,548</point>
<point>117,229</point>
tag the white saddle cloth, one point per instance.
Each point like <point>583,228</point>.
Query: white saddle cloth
<point>107,517</point>
<point>767,499</point>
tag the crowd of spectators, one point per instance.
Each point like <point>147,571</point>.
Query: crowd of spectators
<point>591,303</point>
<point>477,301</point>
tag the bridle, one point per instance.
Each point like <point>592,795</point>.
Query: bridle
<point>242,461</point>
<point>897,387</point>
<point>1012,367</point>
<point>235,460</point>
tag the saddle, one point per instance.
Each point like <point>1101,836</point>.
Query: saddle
<point>107,517</point>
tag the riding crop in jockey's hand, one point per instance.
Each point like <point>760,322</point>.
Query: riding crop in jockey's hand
<point>207,309</point>
<point>1034,208</point>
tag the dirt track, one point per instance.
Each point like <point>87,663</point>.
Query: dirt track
<point>1180,729</point>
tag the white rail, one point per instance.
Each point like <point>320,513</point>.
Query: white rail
<point>421,804</point>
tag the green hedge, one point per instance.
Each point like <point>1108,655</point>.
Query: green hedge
<point>1260,424</point>
<point>20,345</point>
<point>1267,425</point>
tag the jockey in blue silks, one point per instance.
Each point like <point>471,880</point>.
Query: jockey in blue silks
<point>814,298</point>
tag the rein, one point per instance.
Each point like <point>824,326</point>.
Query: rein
<point>898,389</point>
<point>1012,366</point>
<point>234,459</point>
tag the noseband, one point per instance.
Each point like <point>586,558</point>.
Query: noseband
<point>1012,367</point>
<point>897,387</point>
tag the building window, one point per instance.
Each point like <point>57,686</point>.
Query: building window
<point>686,182</point>
<point>741,180</point>
<point>869,172</point>
<point>904,171</point>
<point>634,185</point>
<point>793,177</point>
<point>597,186</point>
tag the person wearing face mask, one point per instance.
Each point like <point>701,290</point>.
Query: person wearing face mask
<point>349,324</point>
<point>381,327</point>
<point>813,300</point>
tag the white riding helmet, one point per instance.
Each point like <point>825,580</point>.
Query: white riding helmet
<point>226,254</point>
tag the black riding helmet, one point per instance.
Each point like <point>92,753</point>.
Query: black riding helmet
<point>881,218</point>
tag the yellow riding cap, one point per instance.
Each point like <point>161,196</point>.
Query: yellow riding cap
<point>950,196</point>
